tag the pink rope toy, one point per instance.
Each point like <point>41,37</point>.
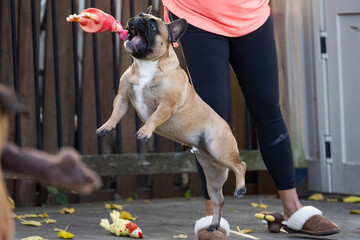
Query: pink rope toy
<point>93,20</point>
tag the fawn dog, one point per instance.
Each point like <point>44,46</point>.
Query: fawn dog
<point>167,103</point>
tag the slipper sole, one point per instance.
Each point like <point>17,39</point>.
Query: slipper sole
<point>322,233</point>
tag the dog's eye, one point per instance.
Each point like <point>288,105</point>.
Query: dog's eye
<point>153,26</point>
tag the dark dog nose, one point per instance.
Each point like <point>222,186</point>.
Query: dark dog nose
<point>139,24</point>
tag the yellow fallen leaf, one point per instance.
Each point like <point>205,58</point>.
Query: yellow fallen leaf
<point>67,210</point>
<point>43,215</point>
<point>259,205</point>
<point>351,199</point>
<point>29,216</point>
<point>317,197</point>
<point>17,217</point>
<point>63,234</point>
<point>50,221</point>
<point>113,206</point>
<point>129,199</point>
<point>232,210</point>
<point>127,216</point>
<point>34,238</point>
<point>11,202</point>
<point>355,211</point>
<point>117,206</point>
<point>31,223</point>
<point>332,199</point>
<point>181,236</point>
<point>244,231</point>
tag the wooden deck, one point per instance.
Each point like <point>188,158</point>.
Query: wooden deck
<point>165,218</point>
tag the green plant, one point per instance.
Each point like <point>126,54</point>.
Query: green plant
<point>59,197</point>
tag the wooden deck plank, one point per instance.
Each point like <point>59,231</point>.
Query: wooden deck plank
<point>162,219</point>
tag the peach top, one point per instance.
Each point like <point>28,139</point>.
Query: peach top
<point>231,18</point>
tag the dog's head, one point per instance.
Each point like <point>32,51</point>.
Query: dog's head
<point>149,37</point>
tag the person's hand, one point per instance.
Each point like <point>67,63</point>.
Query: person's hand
<point>68,171</point>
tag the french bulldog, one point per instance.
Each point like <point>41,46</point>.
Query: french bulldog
<point>160,91</point>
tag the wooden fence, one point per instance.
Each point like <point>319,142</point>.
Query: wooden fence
<point>67,79</point>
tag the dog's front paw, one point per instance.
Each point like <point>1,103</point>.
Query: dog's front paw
<point>143,134</point>
<point>103,131</point>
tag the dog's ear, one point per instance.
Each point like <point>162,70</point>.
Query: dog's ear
<point>149,10</point>
<point>176,29</point>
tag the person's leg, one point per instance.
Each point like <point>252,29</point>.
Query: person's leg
<point>207,59</point>
<point>253,58</point>
<point>290,201</point>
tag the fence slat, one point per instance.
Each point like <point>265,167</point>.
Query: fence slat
<point>116,76</point>
<point>49,103</point>
<point>26,76</point>
<point>127,123</point>
<point>25,190</point>
<point>78,119</point>
<point>106,77</point>
<point>67,72</point>
<point>35,43</point>
<point>88,96</point>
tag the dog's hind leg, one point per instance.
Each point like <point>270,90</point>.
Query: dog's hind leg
<point>228,156</point>
<point>234,163</point>
<point>239,168</point>
<point>216,176</point>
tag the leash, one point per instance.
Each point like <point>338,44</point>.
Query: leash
<point>169,18</point>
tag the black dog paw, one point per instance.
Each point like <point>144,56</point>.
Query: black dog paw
<point>240,192</point>
<point>141,137</point>
<point>103,132</point>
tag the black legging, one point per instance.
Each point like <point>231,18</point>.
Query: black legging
<point>253,59</point>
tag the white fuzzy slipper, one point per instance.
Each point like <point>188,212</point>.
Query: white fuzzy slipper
<point>206,221</point>
<point>309,220</point>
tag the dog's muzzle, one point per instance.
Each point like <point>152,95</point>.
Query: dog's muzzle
<point>138,43</point>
